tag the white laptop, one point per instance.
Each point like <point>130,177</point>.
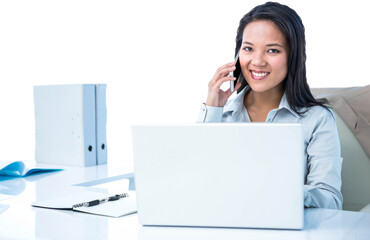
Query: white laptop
<point>246,175</point>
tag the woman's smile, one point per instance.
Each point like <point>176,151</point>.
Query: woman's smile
<point>259,75</point>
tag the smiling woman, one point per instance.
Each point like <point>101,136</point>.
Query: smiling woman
<point>273,87</point>
<point>264,64</point>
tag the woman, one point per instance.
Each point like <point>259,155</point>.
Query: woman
<point>273,88</point>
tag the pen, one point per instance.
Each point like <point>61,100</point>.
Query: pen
<point>100,201</point>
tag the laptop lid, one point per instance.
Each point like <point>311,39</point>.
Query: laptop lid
<point>220,175</point>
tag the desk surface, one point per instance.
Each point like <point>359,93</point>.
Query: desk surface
<point>18,220</point>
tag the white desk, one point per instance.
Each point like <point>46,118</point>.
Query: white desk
<point>18,220</point>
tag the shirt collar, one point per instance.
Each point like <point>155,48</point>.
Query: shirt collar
<point>284,104</point>
<point>236,104</point>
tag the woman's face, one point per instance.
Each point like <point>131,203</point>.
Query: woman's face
<point>264,56</point>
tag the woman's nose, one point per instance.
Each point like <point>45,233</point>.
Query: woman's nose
<point>258,60</point>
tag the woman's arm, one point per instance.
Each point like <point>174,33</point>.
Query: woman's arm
<point>324,163</point>
<point>212,110</point>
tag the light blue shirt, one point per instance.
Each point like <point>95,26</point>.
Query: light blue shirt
<point>322,147</point>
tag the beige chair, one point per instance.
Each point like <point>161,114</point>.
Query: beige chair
<point>353,104</point>
<point>355,171</point>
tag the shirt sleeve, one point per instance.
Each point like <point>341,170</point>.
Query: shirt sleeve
<point>324,165</point>
<point>209,114</point>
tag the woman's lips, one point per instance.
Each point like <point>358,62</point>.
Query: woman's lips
<point>259,75</point>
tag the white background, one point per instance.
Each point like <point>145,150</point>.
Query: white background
<point>156,57</point>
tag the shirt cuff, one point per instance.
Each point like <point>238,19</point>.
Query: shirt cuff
<point>209,114</point>
<point>321,198</point>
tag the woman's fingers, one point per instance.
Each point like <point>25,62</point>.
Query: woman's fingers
<point>230,64</point>
<point>224,71</point>
<point>222,74</point>
<point>215,85</point>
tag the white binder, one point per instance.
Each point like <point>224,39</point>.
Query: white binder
<point>101,122</point>
<point>70,124</point>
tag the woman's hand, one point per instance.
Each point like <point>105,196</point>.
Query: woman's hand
<point>216,96</point>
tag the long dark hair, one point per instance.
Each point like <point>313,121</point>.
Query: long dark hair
<point>290,24</point>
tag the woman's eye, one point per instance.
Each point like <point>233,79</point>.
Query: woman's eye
<point>273,51</point>
<point>248,49</point>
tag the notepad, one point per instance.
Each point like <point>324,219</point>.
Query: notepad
<point>118,208</point>
<point>18,169</point>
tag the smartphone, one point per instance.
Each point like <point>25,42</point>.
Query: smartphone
<point>235,73</point>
